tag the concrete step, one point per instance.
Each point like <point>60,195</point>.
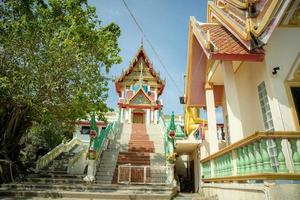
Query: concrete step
<point>106,166</point>
<point>105,173</point>
<point>137,154</point>
<point>187,196</point>
<point>54,175</point>
<point>137,195</point>
<point>56,180</point>
<point>99,181</point>
<point>142,162</point>
<point>104,177</point>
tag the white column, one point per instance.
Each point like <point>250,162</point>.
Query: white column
<point>126,114</point>
<point>155,116</point>
<point>155,95</point>
<point>129,115</point>
<point>152,115</point>
<point>147,116</point>
<point>232,102</point>
<point>211,119</point>
<point>122,115</point>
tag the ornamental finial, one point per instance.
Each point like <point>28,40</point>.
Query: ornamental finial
<point>141,73</point>
<point>142,43</point>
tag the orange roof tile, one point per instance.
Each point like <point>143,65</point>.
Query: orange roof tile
<point>226,44</point>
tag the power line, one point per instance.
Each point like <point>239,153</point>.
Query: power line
<point>152,47</point>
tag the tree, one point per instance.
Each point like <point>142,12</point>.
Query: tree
<point>54,55</point>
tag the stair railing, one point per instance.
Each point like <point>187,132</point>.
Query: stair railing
<point>76,158</point>
<point>102,140</point>
<point>168,145</point>
<point>51,155</point>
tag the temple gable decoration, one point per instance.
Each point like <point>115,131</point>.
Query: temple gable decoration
<point>140,98</point>
<point>139,88</point>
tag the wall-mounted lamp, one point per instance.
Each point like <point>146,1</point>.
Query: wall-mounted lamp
<point>275,69</point>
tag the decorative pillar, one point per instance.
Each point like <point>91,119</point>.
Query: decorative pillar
<point>155,95</point>
<point>147,116</point>
<point>280,156</point>
<point>126,114</point>
<point>122,115</point>
<point>155,116</point>
<point>129,115</point>
<point>265,156</point>
<point>232,102</point>
<point>170,174</point>
<point>295,155</point>
<point>152,115</point>
<point>211,119</point>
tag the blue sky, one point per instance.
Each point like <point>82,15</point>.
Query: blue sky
<point>165,23</point>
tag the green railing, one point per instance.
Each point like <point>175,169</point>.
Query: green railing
<point>167,144</point>
<point>261,156</point>
<point>108,133</point>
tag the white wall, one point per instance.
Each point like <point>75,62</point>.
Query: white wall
<point>248,77</point>
<point>282,50</point>
<point>85,138</point>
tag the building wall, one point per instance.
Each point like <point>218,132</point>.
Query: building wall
<point>248,77</point>
<point>281,51</point>
<point>235,191</point>
<point>83,137</point>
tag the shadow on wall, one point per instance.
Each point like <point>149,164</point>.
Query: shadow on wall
<point>180,167</point>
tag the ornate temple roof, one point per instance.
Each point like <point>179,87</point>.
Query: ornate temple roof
<point>141,53</point>
<point>251,22</point>
<point>219,43</point>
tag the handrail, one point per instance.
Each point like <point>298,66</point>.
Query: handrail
<point>76,158</point>
<point>258,157</point>
<point>252,138</point>
<point>51,155</point>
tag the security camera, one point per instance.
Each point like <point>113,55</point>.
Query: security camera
<point>275,69</point>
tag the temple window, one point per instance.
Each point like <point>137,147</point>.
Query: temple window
<point>265,107</point>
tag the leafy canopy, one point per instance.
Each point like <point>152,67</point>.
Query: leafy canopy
<point>54,55</point>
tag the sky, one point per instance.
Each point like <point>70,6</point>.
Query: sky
<point>165,23</point>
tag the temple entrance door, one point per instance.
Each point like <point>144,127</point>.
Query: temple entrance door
<point>138,117</point>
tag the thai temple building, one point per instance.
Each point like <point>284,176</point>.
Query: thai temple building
<point>243,63</point>
<point>245,59</point>
<point>139,88</point>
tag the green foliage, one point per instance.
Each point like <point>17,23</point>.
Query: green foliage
<point>54,55</point>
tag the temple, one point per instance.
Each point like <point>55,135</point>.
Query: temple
<point>243,63</point>
<point>244,60</point>
<point>139,88</point>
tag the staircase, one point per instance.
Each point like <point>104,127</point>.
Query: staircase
<point>60,163</point>
<point>139,149</point>
<point>134,144</point>
<point>108,161</point>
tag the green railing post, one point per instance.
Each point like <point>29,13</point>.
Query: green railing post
<point>265,156</point>
<point>295,155</point>
<point>247,160</point>
<point>259,161</point>
<point>252,159</point>
<point>280,156</point>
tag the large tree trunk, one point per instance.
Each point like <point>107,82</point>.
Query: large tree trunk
<point>14,123</point>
